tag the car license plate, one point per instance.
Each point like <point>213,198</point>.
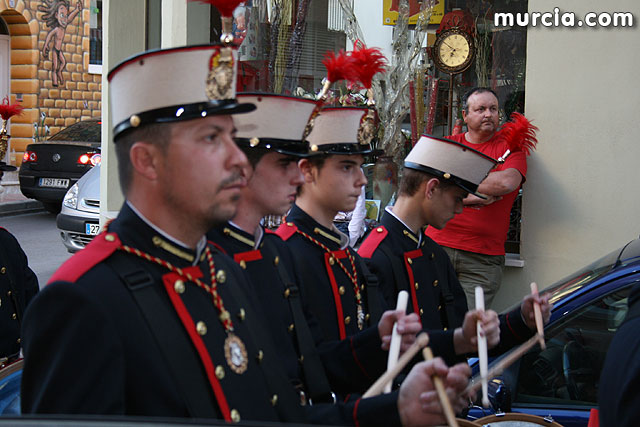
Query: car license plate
<point>54,182</point>
<point>92,229</point>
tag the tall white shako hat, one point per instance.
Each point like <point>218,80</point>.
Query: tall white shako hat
<point>277,123</point>
<point>340,130</point>
<point>170,85</point>
<point>451,161</point>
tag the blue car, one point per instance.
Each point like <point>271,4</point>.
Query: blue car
<point>561,382</point>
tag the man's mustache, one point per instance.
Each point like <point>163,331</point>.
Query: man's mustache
<point>237,177</point>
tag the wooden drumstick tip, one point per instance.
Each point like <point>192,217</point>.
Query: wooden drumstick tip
<point>442,393</point>
<point>427,353</point>
<point>537,312</point>
<point>422,340</point>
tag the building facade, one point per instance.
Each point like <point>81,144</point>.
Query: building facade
<point>50,55</point>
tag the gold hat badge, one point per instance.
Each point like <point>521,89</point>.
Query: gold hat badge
<point>220,79</point>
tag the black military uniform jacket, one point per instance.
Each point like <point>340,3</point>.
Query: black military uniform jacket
<point>116,334</point>
<point>619,387</point>
<point>327,288</point>
<point>337,366</point>
<point>18,285</point>
<point>415,263</point>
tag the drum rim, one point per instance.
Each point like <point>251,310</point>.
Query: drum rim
<point>516,416</point>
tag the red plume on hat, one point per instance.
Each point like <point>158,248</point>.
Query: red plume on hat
<point>367,62</point>
<point>7,110</point>
<point>339,67</point>
<point>519,134</point>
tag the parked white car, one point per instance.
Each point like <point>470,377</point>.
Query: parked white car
<point>78,221</point>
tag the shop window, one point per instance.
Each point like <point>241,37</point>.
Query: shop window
<point>95,37</point>
<point>281,49</point>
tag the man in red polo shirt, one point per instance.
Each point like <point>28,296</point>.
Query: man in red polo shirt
<point>475,238</point>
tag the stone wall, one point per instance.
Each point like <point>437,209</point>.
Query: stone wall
<point>78,97</point>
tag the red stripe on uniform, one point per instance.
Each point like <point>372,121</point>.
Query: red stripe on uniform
<point>169,279</point>
<point>509,326</point>
<point>355,358</point>
<point>355,413</point>
<point>336,294</point>
<point>217,246</point>
<point>412,288</point>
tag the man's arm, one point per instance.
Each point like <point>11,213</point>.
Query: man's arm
<point>65,328</point>
<point>502,182</point>
<point>494,186</point>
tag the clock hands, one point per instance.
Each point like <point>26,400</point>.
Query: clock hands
<point>444,42</point>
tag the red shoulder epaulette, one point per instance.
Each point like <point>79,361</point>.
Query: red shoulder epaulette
<point>269,231</point>
<point>97,251</point>
<point>372,241</point>
<point>286,230</point>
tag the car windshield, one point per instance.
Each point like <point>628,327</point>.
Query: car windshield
<point>85,131</point>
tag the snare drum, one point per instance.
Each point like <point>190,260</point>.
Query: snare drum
<point>465,423</point>
<point>515,419</point>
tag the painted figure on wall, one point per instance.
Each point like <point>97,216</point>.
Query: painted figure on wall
<point>57,16</point>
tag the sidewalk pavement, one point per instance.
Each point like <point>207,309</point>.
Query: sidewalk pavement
<point>12,202</point>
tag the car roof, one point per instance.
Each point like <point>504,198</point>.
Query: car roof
<point>84,131</point>
<point>593,275</point>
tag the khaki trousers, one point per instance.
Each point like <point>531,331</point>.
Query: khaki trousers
<point>477,270</point>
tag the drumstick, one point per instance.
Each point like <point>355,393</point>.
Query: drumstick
<point>421,341</point>
<point>503,364</point>
<point>396,338</point>
<point>483,357</point>
<point>442,394</point>
<point>538,316</point>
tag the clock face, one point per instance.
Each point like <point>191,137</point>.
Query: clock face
<point>453,51</point>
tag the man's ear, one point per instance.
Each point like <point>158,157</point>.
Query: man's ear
<point>464,116</point>
<point>307,170</point>
<point>430,187</point>
<point>144,158</point>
